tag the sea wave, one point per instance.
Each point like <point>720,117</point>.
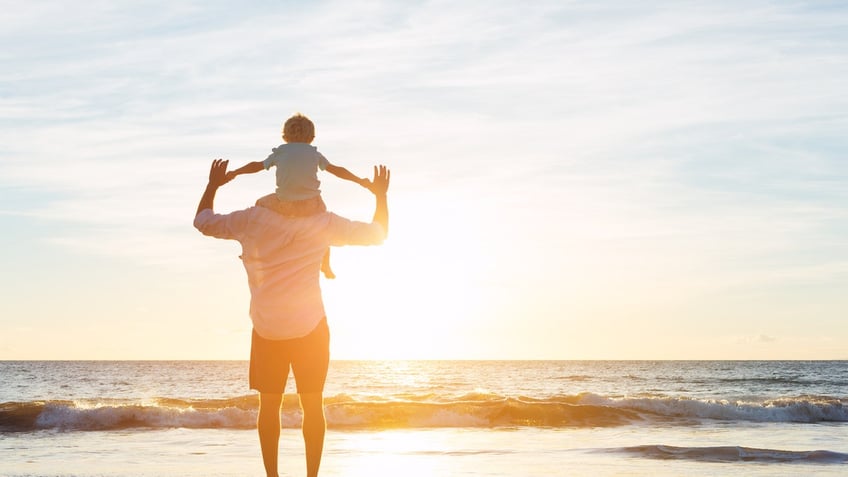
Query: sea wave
<point>800,409</point>
<point>734,454</point>
<point>413,411</point>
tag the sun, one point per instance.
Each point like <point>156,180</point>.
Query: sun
<point>426,277</point>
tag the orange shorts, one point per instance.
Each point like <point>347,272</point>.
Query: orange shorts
<point>307,357</point>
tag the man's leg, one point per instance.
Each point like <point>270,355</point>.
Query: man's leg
<point>314,426</point>
<point>269,430</point>
<point>310,362</point>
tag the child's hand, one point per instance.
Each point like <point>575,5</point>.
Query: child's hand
<point>231,175</point>
<point>365,183</point>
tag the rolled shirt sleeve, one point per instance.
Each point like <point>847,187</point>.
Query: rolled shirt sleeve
<point>349,232</point>
<point>228,226</point>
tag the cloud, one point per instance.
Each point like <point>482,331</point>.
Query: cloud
<point>664,120</point>
<point>686,159</point>
<point>755,339</point>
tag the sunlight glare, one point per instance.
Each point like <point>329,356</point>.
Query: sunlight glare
<point>430,270</point>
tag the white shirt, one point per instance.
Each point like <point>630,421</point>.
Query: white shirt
<point>297,166</point>
<point>282,256</point>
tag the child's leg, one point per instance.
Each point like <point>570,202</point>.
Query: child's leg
<point>325,265</point>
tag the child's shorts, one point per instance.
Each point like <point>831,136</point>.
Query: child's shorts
<point>293,208</point>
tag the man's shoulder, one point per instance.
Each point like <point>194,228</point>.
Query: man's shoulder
<point>248,213</point>
<point>255,220</point>
<point>229,226</point>
<point>264,215</point>
<point>334,217</point>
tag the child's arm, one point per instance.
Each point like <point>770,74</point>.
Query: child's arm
<point>249,168</point>
<point>345,174</point>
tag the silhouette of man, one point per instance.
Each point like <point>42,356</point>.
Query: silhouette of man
<point>282,256</point>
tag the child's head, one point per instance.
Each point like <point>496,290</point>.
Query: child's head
<point>298,128</point>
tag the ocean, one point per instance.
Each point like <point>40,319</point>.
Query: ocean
<point>433,418</point>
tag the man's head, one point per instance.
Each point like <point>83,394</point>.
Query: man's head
<point>298,128</point>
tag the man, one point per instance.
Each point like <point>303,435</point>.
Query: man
<point>282,256</point>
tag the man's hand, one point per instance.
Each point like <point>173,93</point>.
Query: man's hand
<point>217,178</point>
<point>218,175</point>
<point>380,184</point>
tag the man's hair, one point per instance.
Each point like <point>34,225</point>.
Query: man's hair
<point>299,128</point>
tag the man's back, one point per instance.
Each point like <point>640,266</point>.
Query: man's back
<point>282,257</point>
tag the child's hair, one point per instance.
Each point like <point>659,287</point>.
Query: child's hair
<point>299,128</point>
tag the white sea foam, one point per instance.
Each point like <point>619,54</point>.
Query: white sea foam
<point>585,410</point>
<point>378,395</point>
<point>70,417</point>
<point>808,409</point>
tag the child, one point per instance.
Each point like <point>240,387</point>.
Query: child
<point>297,164</point>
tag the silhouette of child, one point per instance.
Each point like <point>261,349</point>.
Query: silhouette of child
<point>297,162</point>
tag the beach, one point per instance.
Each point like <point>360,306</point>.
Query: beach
<point>485,418</point>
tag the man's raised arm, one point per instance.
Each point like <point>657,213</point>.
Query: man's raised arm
<point>217,178</point>
<point>379,186</point>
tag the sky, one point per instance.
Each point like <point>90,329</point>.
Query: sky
<point>570,180</point>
